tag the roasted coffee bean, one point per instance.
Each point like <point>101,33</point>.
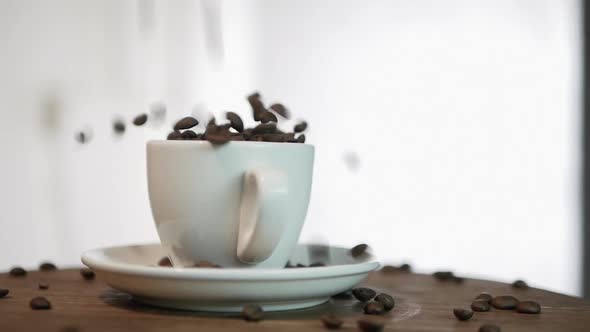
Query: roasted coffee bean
<point>175,135</point>
<point>189,135</point>
<point>82,137</point>
<point>265,128</point>
<point>363,294</point>
<point>87,274</point>
<point>359,250</point>
<point>487,297</point>
<point>18,271</point>
<point>406,267</point>
<point>300,139</point>
<point>47,266</point>
<point>186,123</point>
<point>140,120</point>
<point>281,110</point>
<point>317,264</point>
<point>520,284</point>
<point>218,139</point>
<point>268,117</point>
<point>119,127</point>
<point>252,313</point>
<point>165,261</point>
<point>374,308</point>
<point>387,301</point>
<point>505,302</point>
<point>40,303</point>
<point>332,322</point>
<point>443,275</point>
<point>347,295</point>
<point>3,292</point>
<point>235,121</point>
<point>463,314</point>
<point>528,307</point>
<point>43,285</point>
<point>207,264</point>
<point>480,306</point>
<point>257,105</point>
<point>489,328</point>
<point>300,127</point>
<point>371,325</point>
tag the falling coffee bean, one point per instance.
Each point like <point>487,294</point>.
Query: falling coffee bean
<point>281,110</point>
<point>87,274</point>
<point>47,266</point>
<point>520,284</point>
<point>82,137</point>
<point>257,105</point>
<point>443,275</point>
<point>40,303</point>
<point>331,322</point>
<point>480,306</point>
<point>528,307</point>
<point>347,295</point>
<point>186,123</point>
<point>359,250</point>
<point>387,301</point>
<point>43,285</point>
<point>18,271</point>
<point>268,117</point>
<point>300,139</point>
<point>3,292</point>
<point>175,135</point>
<point>374,308</point>
<point>140,120</point>
<point>189,135</point>
<point>489,328</point>
<point>252,313</point>
<point>300,127</point>
<point>165,261</point>
<point>235,121</point>
<point>363,294</point>
<point>487,297</point>
<point>463,314</point>
<point>371,325</point>
<point>505,302</point>
<point>119,127</point>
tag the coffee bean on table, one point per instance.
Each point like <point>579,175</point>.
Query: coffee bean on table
<point>374,308</point>
<point>40,303</point>
<point>18,271</point>
<point>43,285</point>
<point>505,302</point>
<point>359,250</point>
<point>489,328</point>
<point>252,313</point>
<point>443,275</point>
<point>140,120</point>
<point>4,292</point>
<point>186,123</point>
<point>387,301</point>
<point>520,284</point>
<point>487,297</point>
<point>480,306</point>
<point>47,266</point>
<point>165,261</point>
<point>371,324</point>
<point>463,314</point>
<point>300,127</point>
<point>528,307</point>
<point>87,274</point>
<point>363,294</point>
<point>331,322</point>
<point>175,135</point>
<point>300,139</point>
<point>119,127</point>
<point>235,121</point>
<point>268,117</point>
<point>406,267</point>
<point>189,135</point>
<point>281,110</point>
<point>347,295</point>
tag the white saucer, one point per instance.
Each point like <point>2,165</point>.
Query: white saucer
<point>133,269</point>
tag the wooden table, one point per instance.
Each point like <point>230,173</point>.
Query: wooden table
<point>423,304</point>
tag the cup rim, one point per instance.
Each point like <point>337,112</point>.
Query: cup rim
<point>248,143</point>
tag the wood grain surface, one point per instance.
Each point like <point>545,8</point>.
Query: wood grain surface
<point>422,304</point>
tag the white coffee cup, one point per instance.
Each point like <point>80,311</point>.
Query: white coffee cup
<point>241,204</point>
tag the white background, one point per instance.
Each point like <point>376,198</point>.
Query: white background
<point>464,117</point>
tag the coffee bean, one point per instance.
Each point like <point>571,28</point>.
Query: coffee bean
<point>165,261</point>
<point>140,120</point>
<point>505,302</point>
<point>265,128</point>
<point>175,135</point>
<point>189,135</point>
<point>119,127</point>
<point>489,328</point>
<point>300,139</point>
<point>235,121</point>
<point>82,137</point>
<point>520,284</point>
<point>347,295</point>
<point>207,264</point>
<point>487,297</point>
<point>47,266</point>
<point>18,271</point>
<point>218,139</point>
<point>387,301</point>
<point>371,325</point>
<point>528,307</point>
<point>359,250</point>
<point>186,123</point>
<point>374,308</point>
<point>281,110</point>
<point>3,292</point>
<point>480,306</point>
<point>300,127</point>
<point>331,322</point>
<point>252,313</point>
<point>317,264</point>
<point>87,274</point>
<point>43,285</point>
<point>40,303</point>
<point>257,105</point>
<point>406,267</point>
<point>268,117</point>
<point>443,275</point>
<point>363,294</point>
<point>463,314</point>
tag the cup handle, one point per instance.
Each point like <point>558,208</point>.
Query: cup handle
<point>262,216</point>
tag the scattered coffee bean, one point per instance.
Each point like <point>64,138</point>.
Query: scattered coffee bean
<point>371,325</point>
<point>268,117</point>
<point>505,302</point>
<point>165,261</point>
<point>140,120</point>
<point>528,307</point>
<point>281,110</point>
<point>43,285</point>
<point>480,306</point>
<point>207,264</point>
<point>317,264</point>
<point>363,294</point>
<point>487,297</point>
<point>3,292</point>
<point>265,128</point>
<point>300,139</point>
<point>374,308</point>
<point>347,295</point>
<point>185,123</point>
<point>520,284</point>
<point>332,322</point>
<point>119,127</point>
<point>252,313</point>
<point>463,314</point>
<point>40,303</point>
<point>300,127</point>
<point>47,266</point>
<point>18,271</point>
<point>175,135</point>
<point>406,267</point>
<point>489,328</point>
<point>189,135</point>
<point>235,121</point>
<point>358,250</point>
<point>387,301</point>
<point>87,274</point>
<point>82,137</point>
<point>443,275</point>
